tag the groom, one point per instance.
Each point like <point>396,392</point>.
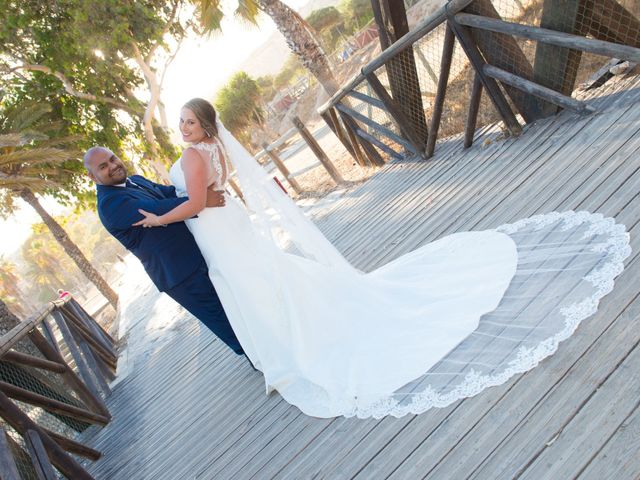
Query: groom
<point>169,255</point>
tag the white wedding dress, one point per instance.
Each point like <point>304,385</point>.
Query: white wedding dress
<point>441,323</point>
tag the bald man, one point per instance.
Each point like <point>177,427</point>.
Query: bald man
<point>169,255</point>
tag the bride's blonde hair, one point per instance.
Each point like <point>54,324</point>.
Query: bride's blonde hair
<point>205,113</point>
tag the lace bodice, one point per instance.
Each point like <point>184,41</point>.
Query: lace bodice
<point>217,172</point>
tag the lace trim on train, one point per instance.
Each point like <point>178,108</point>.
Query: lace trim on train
<point>617,249</point>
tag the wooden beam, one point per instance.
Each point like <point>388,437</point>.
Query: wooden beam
<point>8,468</point>
<point>98,342</point>
<point>21,423</point>
<point>339,132</point>
<point>381,145</point>
<point>39,458</point>
<point>92,322</point>
<point>380,128</point>
<point>438,104</point>
<point>472,116</point>
<point>368,99</point>
<point>560,39</point>
<point>74,447</point>
<point>72,380</point>
<point>397,115</point>
<point>25,359</point>
<point>404,84</point>
<point>495,94</point>
<point>537,90</point>
<point>52,405</point>
<point>504,52</point>
<point>317,151</point>
<point>371,153</point>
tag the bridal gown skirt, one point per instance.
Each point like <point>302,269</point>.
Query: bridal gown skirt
<point>441,323</point>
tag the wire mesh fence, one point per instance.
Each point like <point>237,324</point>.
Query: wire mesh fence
<point>411,75</point>
<point>41,390</point>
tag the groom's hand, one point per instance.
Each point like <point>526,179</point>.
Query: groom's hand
<point>215,198</point>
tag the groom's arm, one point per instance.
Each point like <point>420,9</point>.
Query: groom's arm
<point>122,210</point>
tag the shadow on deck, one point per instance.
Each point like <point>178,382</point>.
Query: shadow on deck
<point>191,409</point>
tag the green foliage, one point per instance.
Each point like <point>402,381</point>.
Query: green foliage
<point>324,18</point>
<point>238,103</point>
<point>38,154</point>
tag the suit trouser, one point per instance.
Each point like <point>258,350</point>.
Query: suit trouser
<point>198,295</point>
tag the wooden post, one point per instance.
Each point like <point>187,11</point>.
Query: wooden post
<point>89,320</point>
<point>471,49</point>
<point>317,151</point>
<point>21,423</point>
<point>39,457</point>
<point>371,153</point>
<point>556,67</point>
<point>70,377</point>
<point>474,107</point>
<point>338,131</point>
<point>7,463</point>
<point>83,368</point>
<point>283,168</point>
<point>92,362</point>
<point>360,156</point>
<point>504,52</point>
<point>438,104</point>
<point>391,18</point>
<point>396,113</point>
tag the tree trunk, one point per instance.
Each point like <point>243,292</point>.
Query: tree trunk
<point>301,41</point>
<point>71,248</point>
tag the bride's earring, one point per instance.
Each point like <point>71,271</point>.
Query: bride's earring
<point>208,134</point>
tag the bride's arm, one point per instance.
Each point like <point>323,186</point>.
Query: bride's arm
<point>195,174</point>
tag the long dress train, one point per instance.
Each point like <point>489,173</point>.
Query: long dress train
<point>441,323</point>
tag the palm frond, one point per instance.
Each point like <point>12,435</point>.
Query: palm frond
<point>20,182</point>
<point>210,15</point>
<point>34,156</point>
<point>10,140</point>
<point>26,116</point>
<point>247,11</point>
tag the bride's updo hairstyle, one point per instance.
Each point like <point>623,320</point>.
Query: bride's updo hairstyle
<point>205,113</point>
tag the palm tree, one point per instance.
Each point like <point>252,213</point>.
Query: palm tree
<point>30,164</point>
<point>299,35</point>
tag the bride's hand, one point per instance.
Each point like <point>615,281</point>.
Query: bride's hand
<point>149,220</point>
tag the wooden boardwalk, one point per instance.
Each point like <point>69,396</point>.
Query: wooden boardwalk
<point>194,411</point>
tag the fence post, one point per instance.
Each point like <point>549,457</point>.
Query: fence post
<point>317,151</point>
<point>283,168</point>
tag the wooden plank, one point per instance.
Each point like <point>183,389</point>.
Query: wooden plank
<point>39,458</point>
<point>619,456</point>
<point>367,99</point>
<point>74,447</point>
<point>7,463</point>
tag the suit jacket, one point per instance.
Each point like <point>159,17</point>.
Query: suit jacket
<point>169,255</point>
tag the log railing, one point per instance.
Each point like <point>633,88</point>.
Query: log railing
<point>55,370</point>
<point>375,126</point>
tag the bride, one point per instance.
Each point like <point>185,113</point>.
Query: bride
<point>441,323</point>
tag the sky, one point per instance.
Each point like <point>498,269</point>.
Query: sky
<point>202,66</point>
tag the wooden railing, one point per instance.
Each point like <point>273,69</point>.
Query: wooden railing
<point>391,126</point>
<point>54,374</point>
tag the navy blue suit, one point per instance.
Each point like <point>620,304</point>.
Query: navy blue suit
<point>169,255</point>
